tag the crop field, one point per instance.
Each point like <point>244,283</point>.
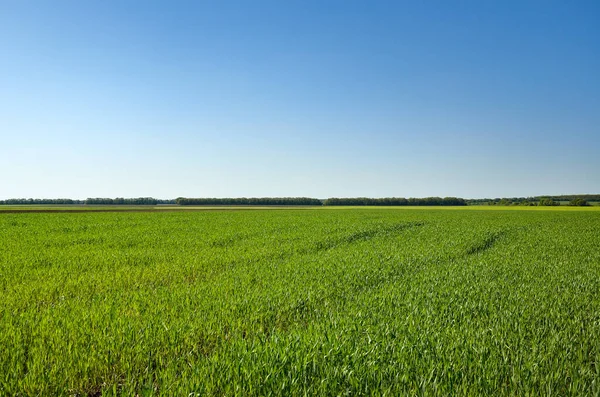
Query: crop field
<point>361,301</point>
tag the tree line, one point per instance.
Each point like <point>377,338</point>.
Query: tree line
<point>352,201</point>
<point>571,197</point>
<point>88,201</point>
<point>250,201</point>
<point>395,201</point>
<point>127,201</point>
<point>31,201</point>
<point>572,200</point>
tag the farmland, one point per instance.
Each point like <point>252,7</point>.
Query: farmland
<point>342,301</point>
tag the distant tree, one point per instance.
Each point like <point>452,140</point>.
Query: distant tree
<point>528,203</point>
<point>579,202</point>
<point>548,202</point>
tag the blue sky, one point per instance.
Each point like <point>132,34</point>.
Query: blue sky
<point>299,98</point>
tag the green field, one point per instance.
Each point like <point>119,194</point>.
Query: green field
<point>376,301</point>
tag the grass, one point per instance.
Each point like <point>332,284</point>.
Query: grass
<point>375,301</point>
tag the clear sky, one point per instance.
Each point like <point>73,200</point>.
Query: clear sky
<point>299,98</point>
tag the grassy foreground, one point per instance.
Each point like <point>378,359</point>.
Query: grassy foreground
<point>292,302</point>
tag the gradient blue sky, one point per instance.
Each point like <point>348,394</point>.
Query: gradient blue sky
<point>299,98</point>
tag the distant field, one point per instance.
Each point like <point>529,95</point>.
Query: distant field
<point>131,208</point>
<point>76,208</point>
<point>327,301</point>
<point>146,208</point>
